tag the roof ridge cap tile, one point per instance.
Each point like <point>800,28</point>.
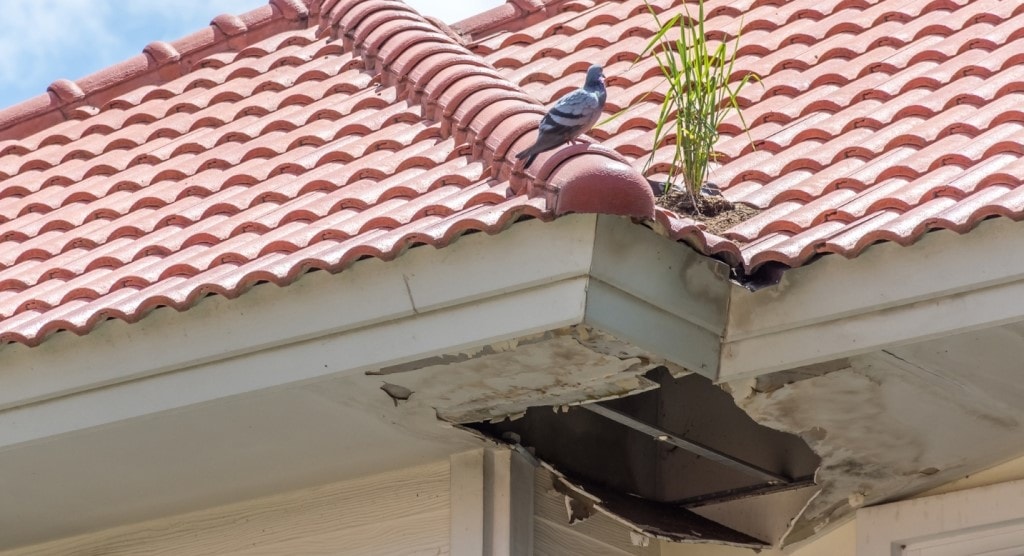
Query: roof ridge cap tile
<point>160,61</point>
<point>478,106</point>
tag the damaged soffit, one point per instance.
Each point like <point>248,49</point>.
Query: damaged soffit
<point>556,375</point>
<point>567,366</point>
<point>893,423</point>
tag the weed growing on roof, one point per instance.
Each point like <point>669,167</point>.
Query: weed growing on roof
<point>699,95</point>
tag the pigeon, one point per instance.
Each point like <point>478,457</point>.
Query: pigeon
<point>570,117</point>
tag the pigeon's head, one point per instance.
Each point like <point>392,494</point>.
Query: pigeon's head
<point>595,78</point>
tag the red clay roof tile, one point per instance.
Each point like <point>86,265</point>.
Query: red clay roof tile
<point>875,120</point>
<point>256,149</point>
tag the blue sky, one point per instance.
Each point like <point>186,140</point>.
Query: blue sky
<point>44,40</point>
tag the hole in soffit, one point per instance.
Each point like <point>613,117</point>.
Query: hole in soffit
<point>653,457</point>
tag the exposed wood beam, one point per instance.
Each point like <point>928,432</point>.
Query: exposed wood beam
<point>690,446</point>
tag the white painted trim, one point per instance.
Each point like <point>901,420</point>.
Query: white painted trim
<point>889,295</point>
<point>508,491</point>
<point>491,503</point>
<point>467,503</point>
<point>658,294</point>
<point>662,273</point>
<point>1000,540</point>
<point>652,329</point>
<point>887,529</point>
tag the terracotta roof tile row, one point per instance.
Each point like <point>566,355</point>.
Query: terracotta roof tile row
<point>261,157</point>
<point>875,120</point>
<point>257,149</point>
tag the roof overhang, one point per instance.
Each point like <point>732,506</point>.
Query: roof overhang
<point>899,367</point>
<point>69,399</point>
<point>537,276</point>
<point>534,277</point>
<point>108,409</point>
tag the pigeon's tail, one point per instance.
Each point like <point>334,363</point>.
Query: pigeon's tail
<point>529,155</point>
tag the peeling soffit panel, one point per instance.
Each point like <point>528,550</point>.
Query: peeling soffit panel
<point>568,366</point>
<point>884,428</point>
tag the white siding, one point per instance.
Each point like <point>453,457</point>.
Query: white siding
<point>398,513</point>
<point>598,535</point>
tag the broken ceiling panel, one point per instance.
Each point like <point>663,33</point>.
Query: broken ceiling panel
<point>645,441</point>
<point>563,367</point>
<point>645,463</point>
<point>638,474</point>
<point>885,427</point>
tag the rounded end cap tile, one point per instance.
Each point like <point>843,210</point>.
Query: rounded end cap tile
<point>292,10</point>
<point>230,25</point>
<point>593,183</point>
<point>66,90</point>
<point>162,52</point>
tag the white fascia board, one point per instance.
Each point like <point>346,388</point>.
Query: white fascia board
<point>660,272</point>
<point>658,294</point>
<point>538,264</point>
<point>889,295</point>
<point>652,329</point>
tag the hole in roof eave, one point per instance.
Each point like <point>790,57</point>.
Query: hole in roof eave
<point>642,455</point>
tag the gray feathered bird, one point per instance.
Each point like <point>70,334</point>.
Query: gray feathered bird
<point>570,117</point>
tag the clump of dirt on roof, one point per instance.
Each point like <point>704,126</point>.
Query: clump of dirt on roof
<point>714,211</point>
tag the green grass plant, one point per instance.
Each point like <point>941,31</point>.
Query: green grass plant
<point>699,94</point>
